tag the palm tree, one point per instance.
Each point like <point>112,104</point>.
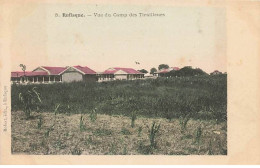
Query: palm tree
<point>23,69</point>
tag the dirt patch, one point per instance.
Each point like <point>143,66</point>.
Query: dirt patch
<point>45,134</point>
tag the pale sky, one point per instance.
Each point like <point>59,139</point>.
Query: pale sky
<point>185,36</point>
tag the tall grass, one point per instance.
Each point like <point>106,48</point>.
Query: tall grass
<point>93,115</point>
<point>203,97</point>
<point>140,128</point>
<point>152,134</point>
<point>40,122</point>
<point>133,118</point>
<point>82,126</point>
<point>29,99</point>
<point>183,121</point>
<point>198,135</point>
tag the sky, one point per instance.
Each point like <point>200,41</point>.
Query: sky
<point>185,36</point>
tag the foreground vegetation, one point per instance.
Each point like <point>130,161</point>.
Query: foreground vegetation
<point>45,134</point>
<point>173,116</point>
<point>199,97</point>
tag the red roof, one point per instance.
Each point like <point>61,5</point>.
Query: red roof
<point>164,71</point>
<point>54,70</point>
<point>175,68</point>
<point>127,70</point>
<point>85,69</point>
<point>51,70</point>
<point>27,73</point>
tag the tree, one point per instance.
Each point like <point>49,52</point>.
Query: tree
<point>143,71</point>
<point>187,71</point>
<point>163,66</point>
<point>23,69</point>
<point>153,70</point>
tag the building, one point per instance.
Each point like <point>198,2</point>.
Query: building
<point>118,73</point>
<point>79,73</point>
<point>163,72</point>
<point>28,76</point>
<point>53,74</point>
<point>45,74</point>
<point>146,76</point>
<point>216,72</point>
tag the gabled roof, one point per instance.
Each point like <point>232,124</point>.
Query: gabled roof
<point>175,68</point>
<point>60,70</point>
<point>54,70</point>
<point>163,71</point>
<point>85,69</point>
<point>126,70</point>
<point>27,73</point>
<point>216,72</point>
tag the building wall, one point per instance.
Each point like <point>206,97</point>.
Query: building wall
<point>90,78</point>
<point>108,77</point>
<point>121,76</point>
<point>15,79</point>
<point>71,76</point>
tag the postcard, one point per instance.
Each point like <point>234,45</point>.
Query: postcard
<point>140,82</point>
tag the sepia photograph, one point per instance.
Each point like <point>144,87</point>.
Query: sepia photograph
<point>140,82</point>
<point>154,83</point>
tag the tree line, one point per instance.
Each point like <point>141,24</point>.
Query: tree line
<point>185,71</point>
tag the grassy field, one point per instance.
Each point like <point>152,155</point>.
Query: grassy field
<point>113,135</point>
<point>189,116</point>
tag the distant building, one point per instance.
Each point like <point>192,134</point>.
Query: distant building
<point>53,74</point>
<point>149,76</point>
<point>118,73</point>
<point>79,73</point>
<point>216,72</point>
<point>163,72</point>
<point>45,74</point>
<point>28,76</point>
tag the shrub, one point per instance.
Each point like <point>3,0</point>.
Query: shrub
<point>29,99</point>
<point>93,115</point>
<point>47,133</point>
<point>183,121</point>
<point>113,149</point>
<point>133,118</point>
<point>125,131</point>
<point>198,135</point>
<point>210,148</point>
<point>125,150</point>
<point>143,149</point>
<point>82,126</point>
<point>56,109</point>
<point>140,128</point>
<point>152,134</point>
<point>102,132</point>
<point>39,124</point>
<point>76,151</point>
